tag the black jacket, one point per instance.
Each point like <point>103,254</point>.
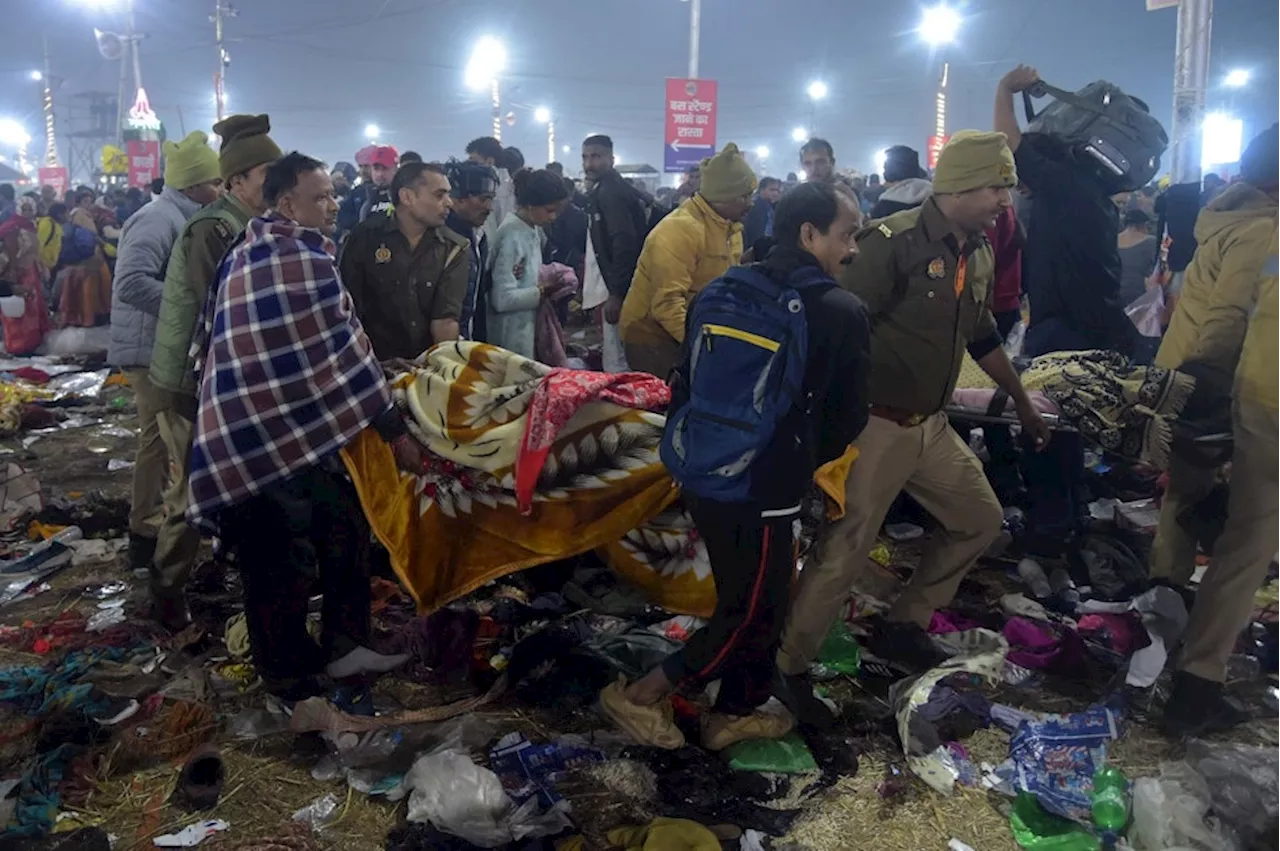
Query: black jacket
<point>617,224</point>
<point>836,381</point>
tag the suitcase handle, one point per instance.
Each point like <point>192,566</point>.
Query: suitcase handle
<point>1042,89</point>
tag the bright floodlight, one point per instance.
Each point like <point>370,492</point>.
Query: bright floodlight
<point>881,156</point>
<point>762,151</point>
<point>1221,141</point>
<point>817,90</point>
<point>542,115</point>
<point>488,60</point>
<point>36,76</point>
<point>13,134</point>
<point>1237,78</point>
<point>371,131</point>
<point>566,149</point>
<point>799,134</point>
<point>939,25</point>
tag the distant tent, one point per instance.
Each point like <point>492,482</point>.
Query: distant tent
<point>9,174</point>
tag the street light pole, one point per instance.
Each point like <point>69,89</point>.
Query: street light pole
<point>1190,83</point>
<point>695,36</point>
<point>220,9</point>
<point>50,143</point>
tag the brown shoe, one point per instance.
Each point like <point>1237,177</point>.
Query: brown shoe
<point>719,731</point>
<point>649,725</point>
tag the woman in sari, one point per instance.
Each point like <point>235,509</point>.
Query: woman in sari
<point>84,281</point>
<point>20,271</point>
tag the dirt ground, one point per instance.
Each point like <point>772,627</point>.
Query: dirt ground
<point>269,778</point>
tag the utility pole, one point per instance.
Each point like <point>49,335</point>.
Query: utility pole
<point>1190,85</point>
<point>50,143</point>
<point>695,35</point>
<point>221,10</point>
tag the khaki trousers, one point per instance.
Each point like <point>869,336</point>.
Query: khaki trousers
<point>177,543</point>
<point>932,464</point>
<point>150,463</point>
<point>1244,552</point>
<point>654,357</point>
<point>1173,553</point>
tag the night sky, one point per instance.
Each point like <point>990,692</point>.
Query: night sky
<point>323,69</point>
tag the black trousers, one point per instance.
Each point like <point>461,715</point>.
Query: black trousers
<point>752,559</point>
<point>307,529</point>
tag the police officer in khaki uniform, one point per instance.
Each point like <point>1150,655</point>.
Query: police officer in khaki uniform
<point>407,271</point>
<point>246,152</point>
<point>925,276</point>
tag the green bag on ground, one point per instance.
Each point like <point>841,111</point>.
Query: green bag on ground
<point>1037,830</point>
<point>788,755</point>
<point>840,651</point>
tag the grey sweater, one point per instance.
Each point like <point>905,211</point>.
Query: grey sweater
<point>143,254</point>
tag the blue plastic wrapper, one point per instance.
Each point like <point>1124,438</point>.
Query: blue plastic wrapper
<point>526,769</point>
<point>1055,758</point>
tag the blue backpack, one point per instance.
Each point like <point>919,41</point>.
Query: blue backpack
<point>746,348</point>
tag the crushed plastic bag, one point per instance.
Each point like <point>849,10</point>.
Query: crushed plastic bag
<point>840,651</point>
<point>1172,811</point>
<point>1145,312</point>
<point>1037,830</point>
<point>466,800</point>
<point>77,385</point>
<point>528,770</point>
<point>319,813</point>
<point>1054,758</point>
<point>1243,782</point>
<point>788,755</point>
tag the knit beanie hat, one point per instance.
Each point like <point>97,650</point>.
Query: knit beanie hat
<point>726,176</point>
<point>1260,162</point>
<point>190,162</point>
<point>245,144</point>
<point>901,163</point>
<point>974,159</point>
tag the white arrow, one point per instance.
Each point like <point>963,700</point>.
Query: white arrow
<point>676,146</point>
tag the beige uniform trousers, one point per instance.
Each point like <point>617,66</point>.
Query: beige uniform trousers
<point>177,543</point>
<point>1173,553</point>
<point>1244,552</point>
<point>151,463</point>
<point>932,464</point>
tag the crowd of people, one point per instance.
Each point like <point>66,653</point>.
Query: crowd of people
<point>262,298</point>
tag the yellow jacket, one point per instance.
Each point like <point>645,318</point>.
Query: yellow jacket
<point>1221,284</point>
<point>684,252</point>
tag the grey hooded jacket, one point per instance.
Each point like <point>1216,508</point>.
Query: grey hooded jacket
<point>143,254</point>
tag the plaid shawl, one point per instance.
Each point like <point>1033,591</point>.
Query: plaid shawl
<point>289,376</point>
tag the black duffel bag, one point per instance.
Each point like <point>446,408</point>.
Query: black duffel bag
<point>1114,130</point>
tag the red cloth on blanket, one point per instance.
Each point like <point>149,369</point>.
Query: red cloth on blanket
<point>558,396</point>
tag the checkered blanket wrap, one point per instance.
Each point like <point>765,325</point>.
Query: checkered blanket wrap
<point>288,375</point>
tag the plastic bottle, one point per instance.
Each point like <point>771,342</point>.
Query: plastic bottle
<point>1110,804</point>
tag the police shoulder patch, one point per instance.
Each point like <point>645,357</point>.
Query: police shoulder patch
<point>222,229</point>
<point>885,229</point>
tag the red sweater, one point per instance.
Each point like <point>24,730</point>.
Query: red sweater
<point>1006,240</point>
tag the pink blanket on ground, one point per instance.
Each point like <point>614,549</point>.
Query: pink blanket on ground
<point>979,399</point>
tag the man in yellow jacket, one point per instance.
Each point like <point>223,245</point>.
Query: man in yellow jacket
<point>687,250</point>
<point>1248,542</point>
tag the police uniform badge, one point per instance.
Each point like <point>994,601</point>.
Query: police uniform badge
<point>382,255</point>
<point>937,268</point>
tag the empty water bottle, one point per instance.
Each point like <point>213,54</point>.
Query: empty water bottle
<point>1110,804</point>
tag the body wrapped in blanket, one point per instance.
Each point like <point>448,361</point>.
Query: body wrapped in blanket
<point>529,465</point>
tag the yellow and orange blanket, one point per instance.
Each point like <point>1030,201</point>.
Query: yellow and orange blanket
<point>530,465</point>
